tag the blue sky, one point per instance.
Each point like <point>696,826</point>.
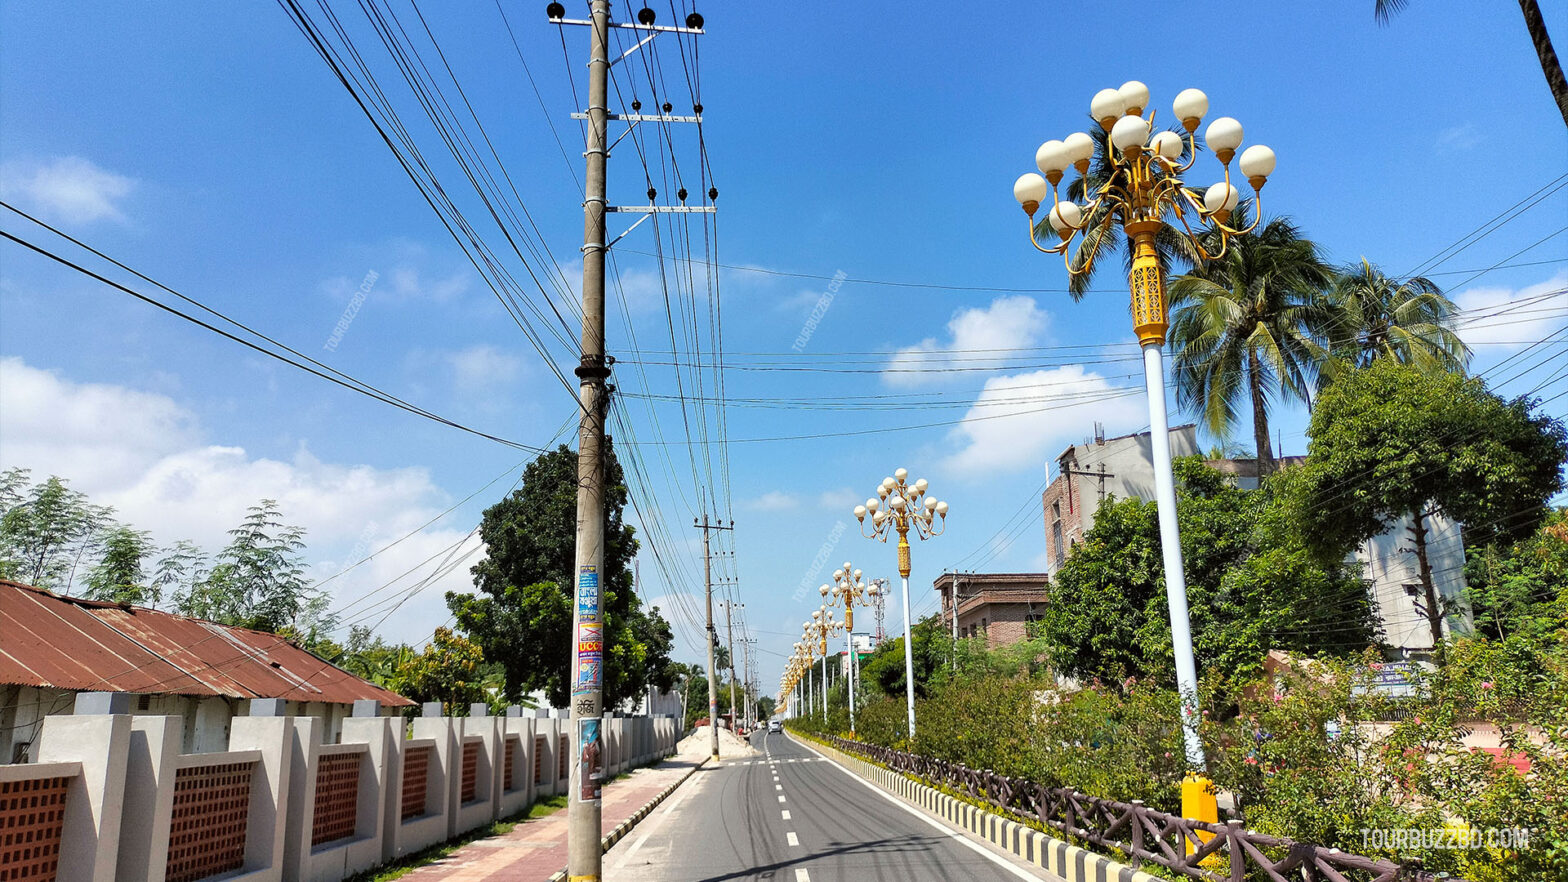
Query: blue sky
<point>210,148</point>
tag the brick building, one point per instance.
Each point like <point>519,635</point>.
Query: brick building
<point>996,606</point>
<point>1088,473</point>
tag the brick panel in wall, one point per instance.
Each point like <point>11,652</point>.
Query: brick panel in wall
<point>416,781</point>
<point>337,798</point>
<point>539,748</point>
<point>564,766</point>
<point>211,817</point>
<point>32,813</point>
<point>470,771</point>
<point>506,765</point>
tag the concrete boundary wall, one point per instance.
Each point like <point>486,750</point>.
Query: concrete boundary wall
<point>122,821</point>
<point>1043,850</point>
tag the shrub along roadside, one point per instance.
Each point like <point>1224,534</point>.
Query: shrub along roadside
<point>1310,757</point>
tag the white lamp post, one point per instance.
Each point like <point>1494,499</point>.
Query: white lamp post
<point>1139,186</point>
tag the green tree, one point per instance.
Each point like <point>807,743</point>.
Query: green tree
<point>1535,25</point>
<point>1409,321</point>
<point>451,670</point>
<point>931,652</point>
<point>522,614</point>
<point>765,707</point>
<point>1249,327</point>
<point>120,575</point>
<point>1252,586</point>
<point>45,530</point>
<point>1520,587</point>
<point>1392,441</point>
<point>258,580</point>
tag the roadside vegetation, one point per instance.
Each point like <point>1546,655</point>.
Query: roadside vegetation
<point>1339,739</point>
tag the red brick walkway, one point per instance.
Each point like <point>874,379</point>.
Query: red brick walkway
<point>536,850</point>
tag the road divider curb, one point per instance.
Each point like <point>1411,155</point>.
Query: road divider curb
<point>1064,859</point>
<point>625,827</point>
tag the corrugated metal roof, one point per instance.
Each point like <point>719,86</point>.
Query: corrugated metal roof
<point>69,643</point>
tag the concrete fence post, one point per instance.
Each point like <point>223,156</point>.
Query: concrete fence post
<point>267,731</point>
<point>445,768</point>
<point>149,798</point>
<point>97,735</point>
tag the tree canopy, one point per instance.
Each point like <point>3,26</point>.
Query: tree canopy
<point>1252,585</point>
<point>521,615</point>
<point>1393,440</point>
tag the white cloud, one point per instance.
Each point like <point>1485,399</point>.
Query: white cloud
<point>144,454</point>
<point>843,499</point>
<point>482,367</point>
<point>1020,420</point>
<point>1501,315</point>
<point>66,188</point>
<point>1009,323</point>
<point>774,500</point>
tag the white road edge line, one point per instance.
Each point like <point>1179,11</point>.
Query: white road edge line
<point>793,839</point>
<point>951,833</point>
<point>654,823</point>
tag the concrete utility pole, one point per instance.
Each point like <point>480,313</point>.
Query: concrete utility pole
<point>750,695</point>
<point>584,809</point>
<point>729,639</point>
<point>713,637</point>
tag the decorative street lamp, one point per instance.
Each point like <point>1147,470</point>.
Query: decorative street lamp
<point>1138,185</point>
<point>817,631</point>
<point>907,506</point>
<point>848,589</point>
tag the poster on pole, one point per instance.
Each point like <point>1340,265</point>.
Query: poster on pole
<point>589,758</point>
<point>588,674</point>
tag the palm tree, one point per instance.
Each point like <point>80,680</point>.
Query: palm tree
<point>1409,321</point>
<point>1535,23</point>
<point>1249,327</point>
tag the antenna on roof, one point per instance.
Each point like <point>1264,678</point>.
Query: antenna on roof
<point>1099,432</point>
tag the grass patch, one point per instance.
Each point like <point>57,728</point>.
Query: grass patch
<point>409,863</point>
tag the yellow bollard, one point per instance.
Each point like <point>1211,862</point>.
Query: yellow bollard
<point>1198,803</point>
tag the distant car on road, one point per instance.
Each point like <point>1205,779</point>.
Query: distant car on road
<point>775,726</point>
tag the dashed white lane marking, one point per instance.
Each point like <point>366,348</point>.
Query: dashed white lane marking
<point>785,813</point>
<point>778,786</point>
<point>802,876</point>
<point>781,797</point>
<point>793,839</point>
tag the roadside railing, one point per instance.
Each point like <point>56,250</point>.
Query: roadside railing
<point>1225,852</point>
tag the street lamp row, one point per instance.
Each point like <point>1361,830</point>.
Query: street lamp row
<point>899,508</point>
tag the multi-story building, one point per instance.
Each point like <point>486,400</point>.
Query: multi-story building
<point>1089,473</point>
<point>996,606</point>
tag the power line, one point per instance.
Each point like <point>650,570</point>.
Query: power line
<point>330,375</point>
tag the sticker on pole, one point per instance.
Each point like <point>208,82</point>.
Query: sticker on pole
<point>590,639</point>
<point>588,676</point>
<point>588,593</point>
<point>590,753</point>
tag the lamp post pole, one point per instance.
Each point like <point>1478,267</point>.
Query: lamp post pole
<point>1139,185</point>
<point>907,506</point>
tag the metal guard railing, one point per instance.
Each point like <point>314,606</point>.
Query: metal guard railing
<point>1231,853</point>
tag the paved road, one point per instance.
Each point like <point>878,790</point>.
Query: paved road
<point>787,815</point>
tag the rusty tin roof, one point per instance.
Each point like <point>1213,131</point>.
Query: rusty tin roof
<point>68,643</point>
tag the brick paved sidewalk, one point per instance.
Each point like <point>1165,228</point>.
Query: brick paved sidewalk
<point>536,850</point>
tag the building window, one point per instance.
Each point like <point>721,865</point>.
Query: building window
<point>1057,550</point>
